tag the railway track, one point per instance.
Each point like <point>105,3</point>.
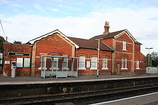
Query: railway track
<point>91,96</point>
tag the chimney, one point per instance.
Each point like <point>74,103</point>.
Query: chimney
<point>106,28</point>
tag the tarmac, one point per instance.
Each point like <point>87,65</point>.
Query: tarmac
<point>38,78</point>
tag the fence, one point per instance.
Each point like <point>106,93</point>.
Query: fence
<point>152,70</point>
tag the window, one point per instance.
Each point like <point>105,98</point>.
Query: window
<point>19,62</point>
<point>23,62</point>
<point>82,62</point>
<point>65,64</point>
<point>124,63</point>
<point>105,63</point>
<point>88,64</point>
<point>124,45</point>
<point>26,62</point>
<point>54,64</point>
<point>137,64</point>
<point>1,58</point>
<point>94,63</point>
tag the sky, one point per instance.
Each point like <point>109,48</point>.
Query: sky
<point>24,20</point>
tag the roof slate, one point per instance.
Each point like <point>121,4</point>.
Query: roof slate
<point>109,35</point>
<point>90,44</point>
<point>112,35</point>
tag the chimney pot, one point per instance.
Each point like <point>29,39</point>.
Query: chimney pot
<point>106,28</point>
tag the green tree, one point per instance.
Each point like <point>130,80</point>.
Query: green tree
<point>154,57</point>
<point>1,43</point>
<point>17,42</point>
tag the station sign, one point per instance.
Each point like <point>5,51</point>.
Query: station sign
<point>19,54</point>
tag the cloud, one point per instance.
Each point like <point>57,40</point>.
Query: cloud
<point>38,7</point>
<point>54,9</point>
<point>141,24</point>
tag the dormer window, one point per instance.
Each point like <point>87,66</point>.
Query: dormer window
<point>124,45</point>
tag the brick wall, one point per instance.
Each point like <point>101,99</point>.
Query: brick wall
<point>20,71</point>
<point>88,53</point>
<point>52,45</point>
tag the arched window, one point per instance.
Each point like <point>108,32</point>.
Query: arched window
<point>124,63</point>
<point>137,64</point>
<point>93,62</point>
<point>124,45</point>
<point>82,62</point>
<point>65,64</point>
<point>54,64</point>
<point>105,63</point>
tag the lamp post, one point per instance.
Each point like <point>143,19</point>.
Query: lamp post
<point>148,48</point>
<point>149,62</point>
<point>98,55</point>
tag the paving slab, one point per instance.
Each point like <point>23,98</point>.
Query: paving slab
<point>146,99</point>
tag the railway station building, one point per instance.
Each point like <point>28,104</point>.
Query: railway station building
<point>105,54</point>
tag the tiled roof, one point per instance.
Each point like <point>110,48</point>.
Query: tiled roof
<point>113,34</point>
<point>109,35</point>
<point>90,44</point>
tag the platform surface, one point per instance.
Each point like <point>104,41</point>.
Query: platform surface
<point>146,99</point>
<point>40,80</point>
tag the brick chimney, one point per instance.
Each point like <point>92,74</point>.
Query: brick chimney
<point>106,28</point>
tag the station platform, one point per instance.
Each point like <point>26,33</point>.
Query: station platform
<point>38,80</point>
<point>146,99</point>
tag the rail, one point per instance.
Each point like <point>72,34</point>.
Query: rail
<point>135,87</point>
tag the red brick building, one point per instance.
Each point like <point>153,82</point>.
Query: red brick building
<point>109,53</point>
<point>21,54</point>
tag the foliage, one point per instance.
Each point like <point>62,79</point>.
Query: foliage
<point>17,42</point>
<point>154,57</point>
<point>1,43</point>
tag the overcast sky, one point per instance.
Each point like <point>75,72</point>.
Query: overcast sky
<point>24,20</point>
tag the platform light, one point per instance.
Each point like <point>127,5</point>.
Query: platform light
<point>149,48</point>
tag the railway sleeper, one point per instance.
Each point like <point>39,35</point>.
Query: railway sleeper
<point>66,96</point>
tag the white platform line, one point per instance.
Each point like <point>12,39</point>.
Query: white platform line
<point>124,99</point>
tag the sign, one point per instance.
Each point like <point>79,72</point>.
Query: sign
<point>7,62</point>
<point>19,54</point>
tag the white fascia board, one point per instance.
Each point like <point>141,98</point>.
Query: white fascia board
<point>125,31</point>
<point>51,33</point>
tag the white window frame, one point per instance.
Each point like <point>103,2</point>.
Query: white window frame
<point>124,46</point>
<point>81,63</point>
<point>44,63</point>
<point>1,58</point>
<point>65,63</point>
<point>19,62</point>
<point>54,64</point>
<point>23,62</point>
<point>137,64</point>
<point>105,63</point>
<point>124,64</point>
<point>94,63</point>
<point>26,62</point>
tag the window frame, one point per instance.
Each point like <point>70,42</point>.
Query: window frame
<point>81,64</point>
<point>124,64</point>
<point>94,63</point>
<point>137,64</point>
<point>124,45</point>
<point>105,63</point>
<point>54,61</point>
<point>22,62</point>
<point>65,63</point>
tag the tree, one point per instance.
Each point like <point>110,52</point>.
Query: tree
<point>1,43</point>
<point>17,42</point>
<point>154,57</point>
